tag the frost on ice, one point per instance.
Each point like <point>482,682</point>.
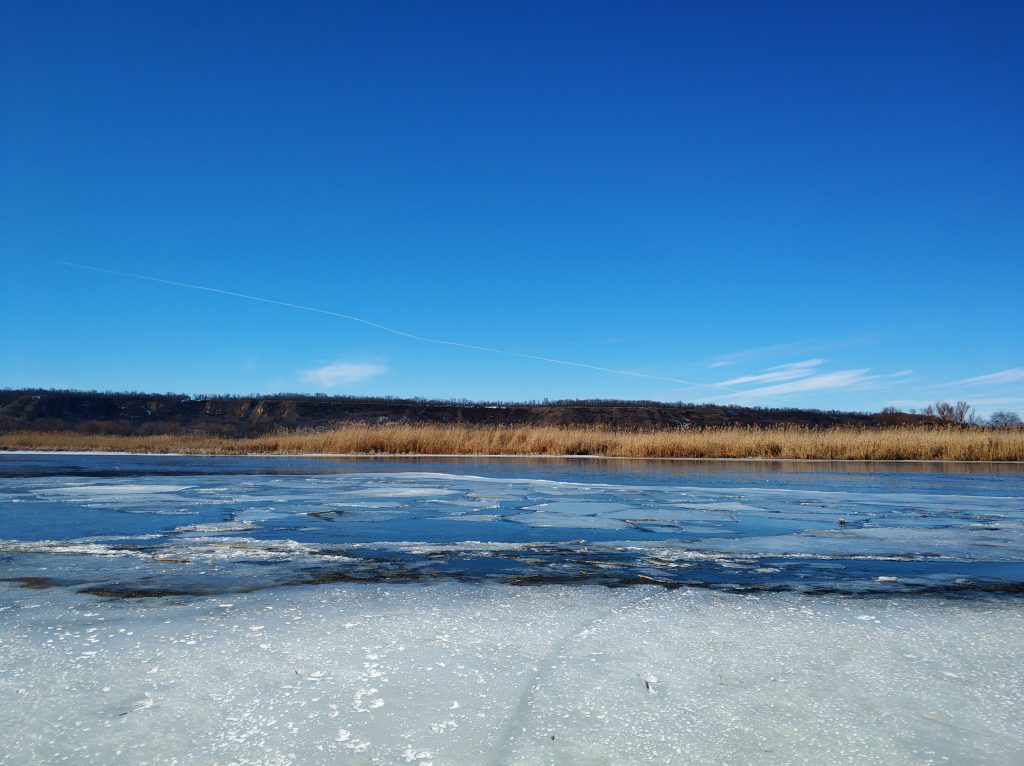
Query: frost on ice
<point>457,674</point>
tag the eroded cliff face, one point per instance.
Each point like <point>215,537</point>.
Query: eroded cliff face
<point>139,413</point>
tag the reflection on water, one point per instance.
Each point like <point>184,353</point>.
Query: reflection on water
<point>150,525</point>
<point>44,464</point>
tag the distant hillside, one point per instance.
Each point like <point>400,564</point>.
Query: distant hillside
<point>141,414</point>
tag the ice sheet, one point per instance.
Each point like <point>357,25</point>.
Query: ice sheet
<point>227,611</point>
<point>304,524</point>
<point>480,674</point>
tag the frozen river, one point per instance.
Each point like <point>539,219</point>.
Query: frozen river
<point>152,525</point>
<point>160,609</point>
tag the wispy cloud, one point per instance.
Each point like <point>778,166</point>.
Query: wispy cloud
<point>1013,375</point>
<point>838,379</point>
<point>859,380</point>
<point>789,371</point>
<point>338,373</point>
<point>787,349</point>
<point>753,353</point>
<point>794,377</point>
<point>982,402</point>
<point>986,401</point>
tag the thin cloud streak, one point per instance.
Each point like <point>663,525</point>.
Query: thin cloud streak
<point>778,373</point>
<point>781,372</point>
<point>753,353</point>
<point>1012,375</point>
<point>384,328</point>
<point>839,379</point>
<point>333,375</point>
<point>857,380</point>
<point>790,349</point>
<point>974,400</point>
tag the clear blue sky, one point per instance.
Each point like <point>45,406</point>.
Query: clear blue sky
<point>803,203</point>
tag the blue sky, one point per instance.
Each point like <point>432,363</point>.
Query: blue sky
<point>783,204</point>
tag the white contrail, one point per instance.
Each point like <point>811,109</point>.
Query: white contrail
<point>379,326</point>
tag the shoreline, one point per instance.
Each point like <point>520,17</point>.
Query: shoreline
<point>558,442</point>
<point>505,456</point>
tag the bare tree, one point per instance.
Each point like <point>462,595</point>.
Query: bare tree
<point>959,413</point>
<point>1004,419</point>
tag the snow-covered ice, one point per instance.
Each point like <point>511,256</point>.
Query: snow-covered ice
<point>475,674</point>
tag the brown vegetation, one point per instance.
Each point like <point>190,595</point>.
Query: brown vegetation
<point>788,442</point>
<point>135,414</point>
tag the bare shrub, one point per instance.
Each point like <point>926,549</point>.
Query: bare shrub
<point>1004,419</point>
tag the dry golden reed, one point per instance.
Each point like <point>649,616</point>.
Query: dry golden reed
<point>789,442</point>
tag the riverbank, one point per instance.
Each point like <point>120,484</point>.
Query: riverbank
<point>898,443</point>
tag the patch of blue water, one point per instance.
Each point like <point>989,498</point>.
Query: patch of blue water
<point>146,525</point>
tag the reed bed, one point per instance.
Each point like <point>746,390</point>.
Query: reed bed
<point>897,443</point>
